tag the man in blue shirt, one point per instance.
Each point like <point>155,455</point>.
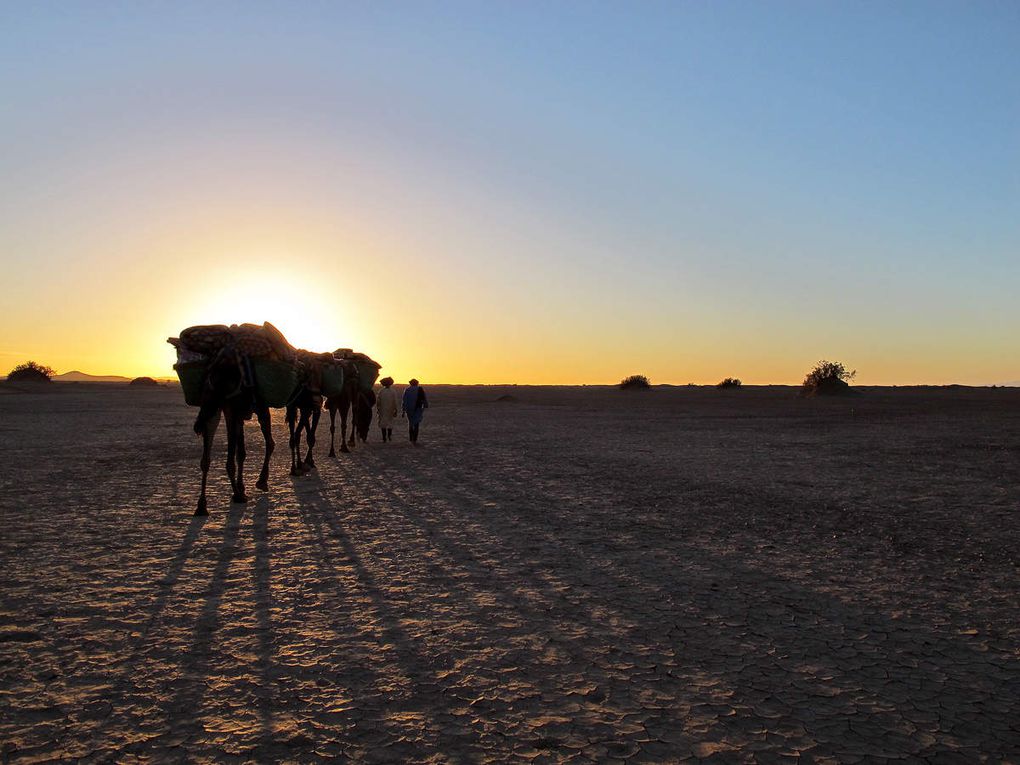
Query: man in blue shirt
<point>413,407</point>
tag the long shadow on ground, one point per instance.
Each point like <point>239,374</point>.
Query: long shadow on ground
<point>761,661</point>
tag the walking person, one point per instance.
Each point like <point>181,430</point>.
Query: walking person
<point>413,407</point>
<point>387,408</point>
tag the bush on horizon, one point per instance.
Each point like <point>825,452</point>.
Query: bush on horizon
<point>635,382</point>
<point>30,371</point>
<point>729,382</point>
<point>828,377</point>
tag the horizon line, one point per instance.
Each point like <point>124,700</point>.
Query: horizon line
<point>175,381</point>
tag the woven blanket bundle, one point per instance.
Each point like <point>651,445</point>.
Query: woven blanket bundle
<point>253,340</point>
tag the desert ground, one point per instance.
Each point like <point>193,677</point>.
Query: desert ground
<point>576,574</point>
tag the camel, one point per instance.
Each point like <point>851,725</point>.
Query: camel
<point>356,398</point>
<point>304,410</point>
<point>303,415</point>
<point>341,404</point>
<point>224,393</point>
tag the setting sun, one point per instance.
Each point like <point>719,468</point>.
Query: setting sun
<point>308,316</point>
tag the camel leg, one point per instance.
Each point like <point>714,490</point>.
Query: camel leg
<point>240,452</point>
<point>265,423</point>
<point>332,431</point>
<point>298,464</point>
<point>343,429</point>
<point>208,434</point>
<point>292,427</point>
<point>310,429</point>
<point>231,426</point>
<point>354,423</point>
<point>301,425</point>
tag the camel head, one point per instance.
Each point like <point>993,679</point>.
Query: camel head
<point>224,375</point>
<point>224,381</point>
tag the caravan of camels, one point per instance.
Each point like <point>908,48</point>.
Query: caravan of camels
<point>247,369</point>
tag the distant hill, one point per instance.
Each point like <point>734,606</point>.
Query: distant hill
<point>77,376</point>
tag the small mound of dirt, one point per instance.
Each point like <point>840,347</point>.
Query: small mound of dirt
<point>507,398</point>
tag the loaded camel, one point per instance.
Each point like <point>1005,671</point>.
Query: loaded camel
<point>218,375</point>
<point>305,408</point>
<point>356,398</point>
<point>243,370</point>
<point>224,392</point>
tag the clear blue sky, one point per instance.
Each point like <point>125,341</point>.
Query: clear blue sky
<point>702,188</point>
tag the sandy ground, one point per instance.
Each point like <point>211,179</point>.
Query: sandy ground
<point>580,574</point>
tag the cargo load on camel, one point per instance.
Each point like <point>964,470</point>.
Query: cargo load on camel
<point>368,370</point>
<point>270,363</point>
<point>321,372</point>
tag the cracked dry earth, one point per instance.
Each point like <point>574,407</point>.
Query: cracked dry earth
<point>577,575</point>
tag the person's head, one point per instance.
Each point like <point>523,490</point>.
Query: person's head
<point>386,382</point>
<point>413,382</point>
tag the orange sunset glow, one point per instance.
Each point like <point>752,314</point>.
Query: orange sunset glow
<point>471,233</point>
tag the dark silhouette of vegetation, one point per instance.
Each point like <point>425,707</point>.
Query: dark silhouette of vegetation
<point>828,378</point>
<point>144,382</point>
<point>729,382</point>
<point>30,371</point>
<point>635,382</point>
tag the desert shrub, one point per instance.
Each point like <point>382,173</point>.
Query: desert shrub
<point>827,377</point>
<point>729,382</point>
<point>30,371</point>
<point>635,382</point>
<point>144,382</point>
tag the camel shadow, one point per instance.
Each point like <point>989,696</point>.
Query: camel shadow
<point>183,709</point>
<point>769,651</point>
<point>263,596</point>
<point>421,706</point>
<point>166,588</point>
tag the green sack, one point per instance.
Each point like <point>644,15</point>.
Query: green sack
<point>368,372</point>
<point>192,377</point>
<point>332,379</point>
<point>275,381</point>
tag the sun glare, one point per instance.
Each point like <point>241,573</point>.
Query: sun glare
<point>308,317</point>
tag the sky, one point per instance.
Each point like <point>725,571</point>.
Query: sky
<point>518,192</point>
